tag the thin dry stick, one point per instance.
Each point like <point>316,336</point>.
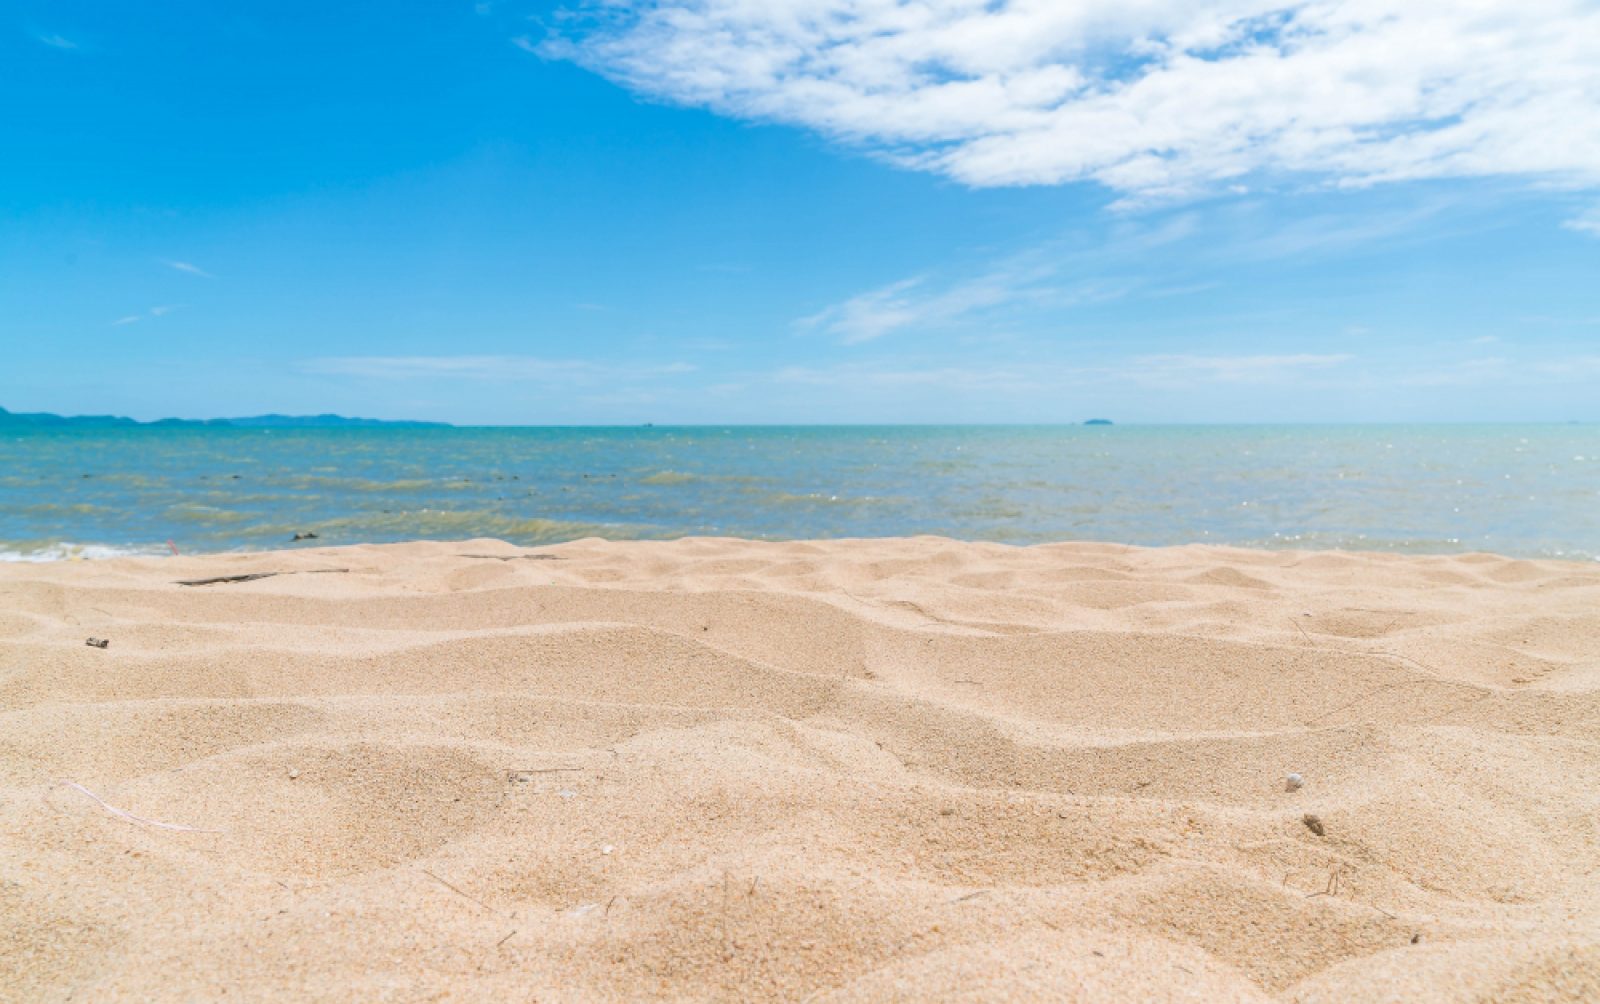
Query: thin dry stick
<point>130,817</point>
<point>252,576</point>
<point>458,892</point>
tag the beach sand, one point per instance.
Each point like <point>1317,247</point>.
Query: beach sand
<point>909,769</point>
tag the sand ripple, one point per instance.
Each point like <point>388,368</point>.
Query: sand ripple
<point>834,771</point>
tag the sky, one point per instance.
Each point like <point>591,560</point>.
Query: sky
<point>798,211</point>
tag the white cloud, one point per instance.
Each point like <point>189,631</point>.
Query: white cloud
<point>1586,222</point>
<point>920,304</point>
<point>869,315</point>
<point>183,266</point>
<point>1003,379</point>
<point>160,311</point>
<point>1153,98</point>
<point>489,368</point>
<point>526,44</point>
<point>1032,376</point>
<point>1168,370</point>
<point>57,41</point>
<point>1466,373</point>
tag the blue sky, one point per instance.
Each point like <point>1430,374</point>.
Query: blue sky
<point>743,211</point>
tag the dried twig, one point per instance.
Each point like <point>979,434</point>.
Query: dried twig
<point>518,775</point>
<point>130,817</point>
<point>457,891</point>
<point>252,576</point>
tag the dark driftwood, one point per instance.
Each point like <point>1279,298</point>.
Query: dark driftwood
<point>252,576</point>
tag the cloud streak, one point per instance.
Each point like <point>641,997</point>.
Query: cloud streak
<point>153,312</point>
<point>1181,370</point>
<point>1154,99</point>
<point>190,268</point>
<point>1586,222</point>
<point>490,368</point>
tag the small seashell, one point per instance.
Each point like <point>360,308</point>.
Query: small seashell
<point>607,849</point>
<point>1294,782</point>
<point>293,774</point>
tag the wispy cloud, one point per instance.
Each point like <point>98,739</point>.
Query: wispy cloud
<point>1033,278</point>
<point>871,314</point>
<point>1465,373</point>
<point>190,268</point>
<point>1155,99</point>
<point>57,41</point>
<point>1044,376</point>
<point>1153,256</point>
<point>1166,370</point>
<point>490,368</point>
<point>527,44</point>
<point>1000,379</point>
<point>160,311</point>
<point>1586,222</point>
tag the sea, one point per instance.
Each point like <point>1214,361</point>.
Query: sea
<point>1521,490</point>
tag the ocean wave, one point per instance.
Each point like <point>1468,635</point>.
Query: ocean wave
<point>66,550</point>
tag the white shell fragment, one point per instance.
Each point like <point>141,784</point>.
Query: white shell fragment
<point>1294,782</point>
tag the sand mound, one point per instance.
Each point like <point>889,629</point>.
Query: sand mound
<point>837,771</point>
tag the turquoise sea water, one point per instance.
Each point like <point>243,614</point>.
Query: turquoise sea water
<point>1522,490</point>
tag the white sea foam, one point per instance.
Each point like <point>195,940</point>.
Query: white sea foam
<point>68,551</point>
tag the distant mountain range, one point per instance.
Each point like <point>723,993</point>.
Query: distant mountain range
<point>8,418</point>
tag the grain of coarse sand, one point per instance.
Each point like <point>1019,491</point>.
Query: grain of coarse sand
<point>865,770</point>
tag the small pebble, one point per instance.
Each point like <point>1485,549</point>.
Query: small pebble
<point>97,642</point>
<point>607,849</point>
<point>1294,782</point>
<point>293,774</point>
<point>1314,824</point>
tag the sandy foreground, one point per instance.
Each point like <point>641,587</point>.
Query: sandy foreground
<point>906,769</point>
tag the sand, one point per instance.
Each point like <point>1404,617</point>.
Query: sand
<point>839,771</point>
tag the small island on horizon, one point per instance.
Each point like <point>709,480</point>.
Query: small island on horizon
<point>47,419</point>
